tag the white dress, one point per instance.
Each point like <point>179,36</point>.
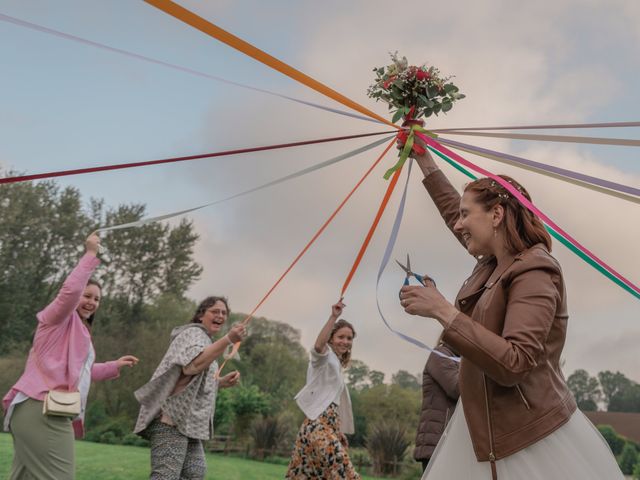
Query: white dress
<point>574,451</point>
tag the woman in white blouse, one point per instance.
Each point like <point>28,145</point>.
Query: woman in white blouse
<point>321,446</point>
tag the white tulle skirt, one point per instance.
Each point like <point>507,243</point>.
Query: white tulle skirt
<point>574,451</point>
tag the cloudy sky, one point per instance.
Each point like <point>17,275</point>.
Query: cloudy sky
<point>69,105</point>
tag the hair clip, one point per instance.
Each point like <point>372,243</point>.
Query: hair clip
<point>501,195</point>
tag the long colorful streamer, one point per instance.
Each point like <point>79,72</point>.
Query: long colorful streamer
<point>457,161</point>
<point>80,171</point>
<point>624,192</point>
<point>544,127</point>
<point>223,36</point>
<point>625,142</point>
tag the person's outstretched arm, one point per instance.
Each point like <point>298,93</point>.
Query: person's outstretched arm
<point>62,307</point>
<point>324,336</point>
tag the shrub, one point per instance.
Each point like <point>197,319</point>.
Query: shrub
<point>615,441</point>
<point>636,472</point>
<point>135,440</point>
<point>628,459</point>
<point>360,458</point>
<point>268,434</point>
<point>387,444</point>
<point>109,437</point>
<point>112,430</point>
<point>411,471</point>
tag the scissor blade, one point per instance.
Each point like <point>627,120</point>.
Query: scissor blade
<point>403,267</point>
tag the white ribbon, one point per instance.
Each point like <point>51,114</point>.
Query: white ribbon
<point>383,265</point>
<point>291,176</point>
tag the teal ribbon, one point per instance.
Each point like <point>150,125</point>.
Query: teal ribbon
<point>552,232</point>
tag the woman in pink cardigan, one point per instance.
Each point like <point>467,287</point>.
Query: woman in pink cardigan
<point>62,358</point>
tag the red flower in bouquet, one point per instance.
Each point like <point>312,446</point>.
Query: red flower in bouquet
<point>422,75</point>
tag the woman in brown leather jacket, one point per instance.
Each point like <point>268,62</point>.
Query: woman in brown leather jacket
<point>509,321</point>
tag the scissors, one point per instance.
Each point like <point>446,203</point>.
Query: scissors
<point>420,278</point>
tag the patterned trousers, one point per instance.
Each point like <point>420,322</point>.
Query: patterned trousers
<point>174,456</point>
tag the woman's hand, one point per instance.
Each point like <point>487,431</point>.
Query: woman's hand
<point>427,301</point>
<point>126,361</point>
<point>336,308</point>
<point>92,244</point>
<point>424,160</point>
<point>229,380</point>
<point>237,333</point>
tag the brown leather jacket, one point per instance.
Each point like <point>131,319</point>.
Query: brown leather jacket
<point>439,397</point>
<point>510,333</point>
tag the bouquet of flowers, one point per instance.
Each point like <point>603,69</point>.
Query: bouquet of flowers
<point>413,92</point>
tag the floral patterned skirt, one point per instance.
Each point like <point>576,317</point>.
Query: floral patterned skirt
<point>318,452</point>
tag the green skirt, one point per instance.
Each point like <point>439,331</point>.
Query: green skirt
<point>43,445</point>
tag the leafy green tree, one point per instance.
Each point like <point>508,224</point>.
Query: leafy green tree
<point>585,390</point>
<point>376,377</point>
<point>42,232</point>
<point>627,400</point>
<point>223,415</point>
<point>272,359</point>
<point>391,403</point>
<point>612,384</point>
<point>405,379</point>
<point>357,374</point>
<point>248,403</point>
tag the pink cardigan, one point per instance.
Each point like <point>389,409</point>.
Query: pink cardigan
<point>62,344</point>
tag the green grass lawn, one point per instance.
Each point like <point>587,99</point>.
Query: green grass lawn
<point>96,461</point>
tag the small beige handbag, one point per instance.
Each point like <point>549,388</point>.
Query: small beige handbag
<point>59,403</point>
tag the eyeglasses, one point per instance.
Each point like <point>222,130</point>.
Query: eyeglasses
<point>217,311</point>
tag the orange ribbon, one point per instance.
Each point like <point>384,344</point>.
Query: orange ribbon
<point>372,229</point>
<point>218,33</point>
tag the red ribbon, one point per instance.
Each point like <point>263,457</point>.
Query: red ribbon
<point>80,171</point>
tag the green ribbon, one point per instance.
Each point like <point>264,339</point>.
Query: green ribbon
<point>553,233</point>
<point>408,146</point>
